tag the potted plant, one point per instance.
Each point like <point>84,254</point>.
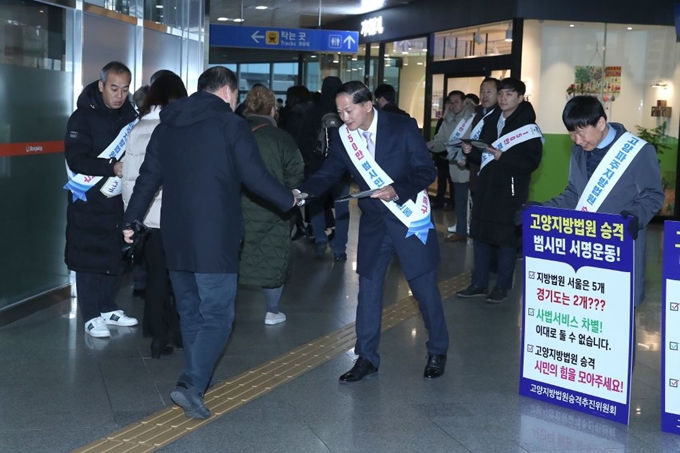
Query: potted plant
<point>657,137</point>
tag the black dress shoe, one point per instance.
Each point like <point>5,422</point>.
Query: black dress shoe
<point>362,368</point>
<point>160,347</point>
<point>436,363</point>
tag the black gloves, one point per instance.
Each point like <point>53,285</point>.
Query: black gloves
<point>633,227</point>
<point>140,231</point>
<point>531,203</point>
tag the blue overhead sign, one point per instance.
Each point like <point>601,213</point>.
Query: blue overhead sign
<point>272,38</point>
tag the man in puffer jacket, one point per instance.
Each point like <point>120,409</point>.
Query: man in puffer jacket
<point>94,144</point>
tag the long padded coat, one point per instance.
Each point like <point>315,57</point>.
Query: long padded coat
<point>265,257</point>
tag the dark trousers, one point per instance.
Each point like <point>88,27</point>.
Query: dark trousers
<point>317,217</point>
<point>425,289</point>
<point>160,313</point>
<point>443,178</point>
<point>96,293</point>
<point>205,303</point>
<point>484,253</point>
<point>462,192</point>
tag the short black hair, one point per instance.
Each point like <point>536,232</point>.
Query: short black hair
<point>473,97</point>
<point>117,68</point>
<point>458,93</point>
<point>386,91</point>
<point>490,80</point>
<point>164,89</point>
<point>357,90</point>
<point>582,111</point>
<point>215,78</point>
<point>512,84</point>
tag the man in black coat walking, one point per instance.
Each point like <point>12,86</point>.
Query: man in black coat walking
<point>201,153</point>
<point>94,144</point>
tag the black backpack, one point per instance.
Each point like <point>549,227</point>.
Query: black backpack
<point>323,142</point>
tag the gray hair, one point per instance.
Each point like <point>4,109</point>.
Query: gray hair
<point>117,68</point>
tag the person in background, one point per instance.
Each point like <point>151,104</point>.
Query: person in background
<point>487,111</point>
<point>95,141</point>
<point>457,122</point>
<point>386,99</point>
<point>160,314</point>
<point>201,154</point>
<point>503,186</point>
<point>473,98</point>
<point>322,123</point>
<point>266,254</point>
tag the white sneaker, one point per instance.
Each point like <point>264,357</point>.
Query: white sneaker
<point>96,327</point>
<point>451,229</point>
<point>118,318</point>
<point>274,318</point>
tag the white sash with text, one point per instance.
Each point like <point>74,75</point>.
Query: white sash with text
<point>415,216</point>
<point>609,171</point>
<point>79,184</point>
<point>507,141</point>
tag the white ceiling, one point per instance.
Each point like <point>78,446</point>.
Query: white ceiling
<point>293,13</point>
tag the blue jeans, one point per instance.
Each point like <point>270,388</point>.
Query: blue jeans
<point>205,303</point>
<point>425,289</point>
<point>462,192</point>
<point>317,217</point>
<point>483,253</point>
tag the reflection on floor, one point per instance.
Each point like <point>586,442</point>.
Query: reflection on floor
<point>63,390</point>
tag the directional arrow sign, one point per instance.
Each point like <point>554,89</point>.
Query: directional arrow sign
<point>349,41</point>
<point>274,38</point>
<point>256,37</point>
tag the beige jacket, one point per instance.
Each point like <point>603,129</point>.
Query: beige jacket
<point>458,169</point>
<point>134,157</point>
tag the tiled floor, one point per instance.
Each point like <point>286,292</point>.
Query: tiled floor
<point>62,389</point>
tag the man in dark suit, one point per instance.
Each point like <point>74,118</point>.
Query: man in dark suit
<point>386,152</point>
<point>201,153</point>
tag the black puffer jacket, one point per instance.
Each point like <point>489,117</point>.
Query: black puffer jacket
<point>93,238</point>
<point>503,184</point>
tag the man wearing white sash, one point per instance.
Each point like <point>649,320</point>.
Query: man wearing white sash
<point>487,111</point>
<point>386,152</point>
<point>611,171</point>
<point>95,141</point>
<point>514,151</point>
<point>456,125</point>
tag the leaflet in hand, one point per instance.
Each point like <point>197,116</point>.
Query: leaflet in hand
<point>364,194</point>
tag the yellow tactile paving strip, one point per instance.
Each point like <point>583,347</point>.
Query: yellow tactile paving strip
<point>168,425</point>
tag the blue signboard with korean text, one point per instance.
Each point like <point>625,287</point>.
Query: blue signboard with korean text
<point>578,311</point>
<point>273,38</point>
<point>670,329</point>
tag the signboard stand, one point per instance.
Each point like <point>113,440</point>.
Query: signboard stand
<point>578,311</point>
<point>670,329</point>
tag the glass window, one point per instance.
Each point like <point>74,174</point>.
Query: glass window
<point>252,73</point>
<point>632,69</point>
<point>485,40</point>
<point>33,39</point>
<point>166,12</point>
<point>284,76</point>
<point>120,6</point>
<point>405,63</point>
<point>37,100</point>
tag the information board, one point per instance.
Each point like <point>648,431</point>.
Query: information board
<point>274,38</point>
<point>577,311</point>
<point>670,329</point>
